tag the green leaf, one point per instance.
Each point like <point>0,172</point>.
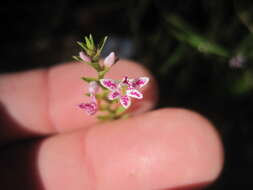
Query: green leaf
<point>88,51</point>
<point>91,40</point>
<point>183,32</point>
<point>77,58</point>
<point>88,79</point>
<point>120,110</point>
<point>81,45</point>
<point>88,43</point>
<point>102,44</point>
<point>104,117</point>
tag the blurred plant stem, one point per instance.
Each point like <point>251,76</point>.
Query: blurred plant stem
<point>184,33</point>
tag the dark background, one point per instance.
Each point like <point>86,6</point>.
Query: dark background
<point>200,52</point>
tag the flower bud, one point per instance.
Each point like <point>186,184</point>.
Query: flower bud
<point>110,60</point>
<point>84,57</point>
<point>93,87</point>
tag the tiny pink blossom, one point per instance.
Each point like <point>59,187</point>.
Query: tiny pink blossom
<point>110,60</point>
<point>125,89</point>
<point>84,57</point>
<point>90,107</point>
<point>93,88</point>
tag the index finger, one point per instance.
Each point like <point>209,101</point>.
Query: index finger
<point>44,101</point>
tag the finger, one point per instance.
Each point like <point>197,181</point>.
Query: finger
<point>165,149</point>
<point>42,102</point>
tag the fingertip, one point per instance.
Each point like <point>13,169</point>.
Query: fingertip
<point>205,139</point>
<point>163,149</point>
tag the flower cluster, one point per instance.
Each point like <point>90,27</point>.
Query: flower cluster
<point>125,89</point>
<point>107,95</point>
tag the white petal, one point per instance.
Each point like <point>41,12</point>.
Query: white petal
<point>109,84</point>
<point>110,59</point>
<point>125,101</point>
<point>134,93</point>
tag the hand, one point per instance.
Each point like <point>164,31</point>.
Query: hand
<point>49,144</point>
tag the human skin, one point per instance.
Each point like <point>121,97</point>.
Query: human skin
<point>47,143</point>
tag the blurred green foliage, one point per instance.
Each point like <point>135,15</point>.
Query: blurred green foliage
<point>189,42</point>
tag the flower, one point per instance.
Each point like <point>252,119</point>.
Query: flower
<point>237,62</point>
<point>91,107</point>
<point>125,89</point>
<point>84,57</point>
<point>110,60</point>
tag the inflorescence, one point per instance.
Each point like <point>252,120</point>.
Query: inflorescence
<point>106,95</point>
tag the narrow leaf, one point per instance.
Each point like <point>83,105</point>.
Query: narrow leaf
<point>81,45</point>
<point>76,58</point>
<point>104,117</point>
<point>88,43</point>
<point>91,40</point>
<point>120,110</point>
<point>88,79</point>
<point>102,43</point>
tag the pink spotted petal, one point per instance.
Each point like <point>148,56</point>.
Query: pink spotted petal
<point>134,93</point>
<point>140,82</point>
<point>125,101</point>
<point>109,84</point>
<point>113,95</point>
<point>90,108</point>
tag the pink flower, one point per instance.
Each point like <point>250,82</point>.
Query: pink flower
<point>84,57</point>
<point>110,60</point>
<point>237,61</point>
<point>125,89</point>
<point>91,107</point>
